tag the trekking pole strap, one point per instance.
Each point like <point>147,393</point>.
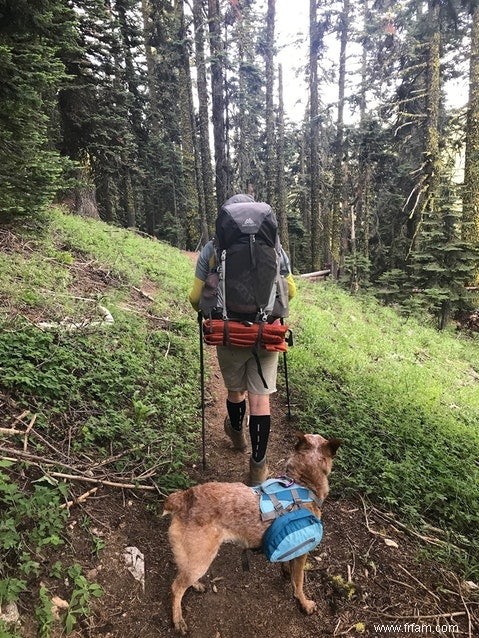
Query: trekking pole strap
<point>255,352</point>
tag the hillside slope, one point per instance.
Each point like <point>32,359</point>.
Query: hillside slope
<point>117,402</point>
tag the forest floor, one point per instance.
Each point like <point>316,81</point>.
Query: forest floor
<point>369,576</point>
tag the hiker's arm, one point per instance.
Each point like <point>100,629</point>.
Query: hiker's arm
<point>201,272</point>
<point>285,270</point>
<point>291,286</point>
<point>195,293</point>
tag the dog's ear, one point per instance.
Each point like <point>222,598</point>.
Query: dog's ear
<point>333,445</point>
<point>302,443</point>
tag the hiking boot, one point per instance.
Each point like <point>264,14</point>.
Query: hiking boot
<point>258,472</point>
<point>236,436</point>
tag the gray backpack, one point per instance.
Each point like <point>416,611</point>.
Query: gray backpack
<point>245,283</point>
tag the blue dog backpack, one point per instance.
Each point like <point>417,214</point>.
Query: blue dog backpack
<point>295,530</point>
<point>292,534</point>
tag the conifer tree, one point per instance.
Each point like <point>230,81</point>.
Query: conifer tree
<point>32,38</point>
<point>270,158</point>
<point>217,48</point>
<point>203,116</point>
<point>470,216</point>
<point>281,200</point>
<point>319,233</point>
<point>338,217</point>
<point>192,217</point>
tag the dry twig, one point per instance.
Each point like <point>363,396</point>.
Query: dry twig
<point>88,479</point>
<point>10,431</point>
<point>469,619</point>
<point>27,432</point>
<point>80,499</point>
<point>418,582</point>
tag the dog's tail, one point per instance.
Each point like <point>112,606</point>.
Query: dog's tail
<point>174,503</point>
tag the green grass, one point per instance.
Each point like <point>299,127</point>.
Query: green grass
<point>404,398</point>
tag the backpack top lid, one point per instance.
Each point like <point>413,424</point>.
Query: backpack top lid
<point>241,215</point>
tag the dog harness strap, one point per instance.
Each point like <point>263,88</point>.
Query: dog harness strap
<point>291,497</point>
<point>268,516</point>
<point>296,497</point>
<point>278,508</point>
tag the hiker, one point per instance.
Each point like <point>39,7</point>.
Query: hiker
<point>247,374</point>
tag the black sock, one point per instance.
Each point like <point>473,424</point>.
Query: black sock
<point>236,412</point>
<point>259,427</point>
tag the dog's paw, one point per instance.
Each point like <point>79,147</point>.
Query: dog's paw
<point>309,606</point>
<point>199,587</point>
<point>181,627</point>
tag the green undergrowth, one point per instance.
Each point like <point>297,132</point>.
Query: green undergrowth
<point>124,385</point>
<point>405,400</point>
<point>122,395</point>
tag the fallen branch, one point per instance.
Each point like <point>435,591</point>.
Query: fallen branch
<point>37,434</point>
<point>144,294</point>
<point>81,499</point>
<point>34,459</point>
<point>318,273</point>
<point>28,457</point>
<point>27,432</point>
<point>426,539</point>
<point>416,580</point>
<point>87,479</point>
<point>22,415</point>
<point>469,619</point>
<point>10,431</point>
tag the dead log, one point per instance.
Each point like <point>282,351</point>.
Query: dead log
<point>318,273</point>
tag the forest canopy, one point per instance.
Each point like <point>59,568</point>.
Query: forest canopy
<point>150,114</point>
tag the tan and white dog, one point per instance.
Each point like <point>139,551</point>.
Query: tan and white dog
<point>205,516</point>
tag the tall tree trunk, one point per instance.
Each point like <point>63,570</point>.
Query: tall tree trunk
<point>150,65</point>
<point>153,107</point>
<point>190,204</point>
<point>433,102</point>
<point>83,197</point>
<point>339,227</point>
<point>218,101</point>
<point>317,242</point>
<point>129,197</point>
<point>203,120</point>
<point>363,186</point>
<point>281,186</point>
<point>269,64</point>
<point>243,133</point>
<point>133,187</point>
<point>470,215</point>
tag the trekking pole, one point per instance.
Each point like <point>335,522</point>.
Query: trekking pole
<point>285,364</point>
<point>287,385</point>
<point>202,383</point>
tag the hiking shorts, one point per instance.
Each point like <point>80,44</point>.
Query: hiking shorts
<point>240,371</point>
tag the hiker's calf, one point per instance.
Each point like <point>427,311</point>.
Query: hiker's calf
<point>205,516</point>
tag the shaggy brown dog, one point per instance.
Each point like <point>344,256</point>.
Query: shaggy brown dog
<point>205,516</point>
